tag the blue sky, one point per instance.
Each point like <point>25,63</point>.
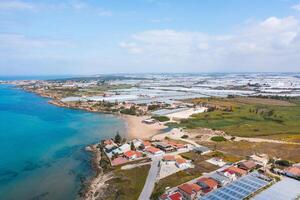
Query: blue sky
<point>137,36</point>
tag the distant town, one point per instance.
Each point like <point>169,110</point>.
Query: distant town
<point>210,137</point>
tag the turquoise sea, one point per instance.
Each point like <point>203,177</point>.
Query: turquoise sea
<point>42,146</point>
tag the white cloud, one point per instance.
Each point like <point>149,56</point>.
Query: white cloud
<point>15,5</point>
<point>269,45</point>
<point>18,41</point>
<point>296,7</point>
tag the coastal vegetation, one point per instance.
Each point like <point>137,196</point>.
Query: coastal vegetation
<point>289,152</point>
<point>161,118</point>
<point>248,117</point>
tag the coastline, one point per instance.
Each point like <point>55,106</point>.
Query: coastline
<point>135,128</point>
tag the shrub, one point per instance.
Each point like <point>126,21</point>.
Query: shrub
<point>284,163</point>
<point>218,139</point>
<point>184,136</point>
<point>161,118</point>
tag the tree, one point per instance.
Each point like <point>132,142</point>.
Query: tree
<point>132,147</point>
<point>118,138</point>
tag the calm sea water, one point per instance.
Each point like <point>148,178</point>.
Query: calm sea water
<point>42,146</point>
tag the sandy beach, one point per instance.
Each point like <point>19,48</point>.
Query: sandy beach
<point>137,129</point>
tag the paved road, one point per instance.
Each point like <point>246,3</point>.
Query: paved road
<point>151,178</point>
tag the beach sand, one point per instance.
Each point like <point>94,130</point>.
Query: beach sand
<point>137,129</point>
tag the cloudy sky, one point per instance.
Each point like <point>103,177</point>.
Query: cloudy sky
<point>53,37</point>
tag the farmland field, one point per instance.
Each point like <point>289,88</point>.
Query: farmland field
<point>248,117</point>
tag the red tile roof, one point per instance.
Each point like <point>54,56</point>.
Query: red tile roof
<point>146,143</point>
<point>129,154</point>
<point>235,170</point>
<point>189,188</point>
<point>211,183</point>
<point>152,150</point>
<point>176,145</point>
<point>293,170</point>
<point>169,158</point>
<point>175,196</point>
<point>249,164</point>
<point>180,160</point>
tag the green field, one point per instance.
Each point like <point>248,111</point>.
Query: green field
<point>248,117</point>
<point>127,184</point>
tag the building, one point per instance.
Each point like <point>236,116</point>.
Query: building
<point>110,147</point>
<point>220,178</point>
<point>242,188</point>
<point>231,176</point>
<point>164,146</point>
<point>292,172</point>
<point>132,155</point>
<point>146,144</point>
<point>234,170</point>
<point>190,191</point>
<point>177,145</point>
<point>182,163</point>
<point>247,165</point>
<point>201,150</point>
<point>207,184</point>
<point>154,151</point>
<point>172,196</point>
<point>261,159</point>
<point>137,143</point>
<point>169,159</point>
<point>122,149</point>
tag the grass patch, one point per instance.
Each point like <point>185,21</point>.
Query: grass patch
<point>289,152</point>
<point>172,181</point>
<point>218,139</point>
<point>247,118</point>
<point>127,184</point>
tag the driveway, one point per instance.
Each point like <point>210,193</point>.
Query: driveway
<point>151,179</point>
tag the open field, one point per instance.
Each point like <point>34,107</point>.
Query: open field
<point>198,159</point>
<point>172,181</point>
<point>284,151</point>
<point>247,117</point>
<point>127,184</point>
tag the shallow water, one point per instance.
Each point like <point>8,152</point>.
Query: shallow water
<point>42,146</point>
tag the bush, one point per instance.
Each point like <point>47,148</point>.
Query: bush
<point>284,163</point>
<point>153,107</point>
<point>130,111</point>
<point>161,118</point>
<point>218,139</point>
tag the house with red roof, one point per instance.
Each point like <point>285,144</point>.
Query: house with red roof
<point>235,170</point>
<point>146,144</point>
<point>132,155</point>
<point>207,184</point>
<point>172,196</point>
<point>169,159</point>
<point>190,191</point>
<point>154,151</point>
<point>247,165</point>
<point>182,163</point>
<point>293,171</point>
